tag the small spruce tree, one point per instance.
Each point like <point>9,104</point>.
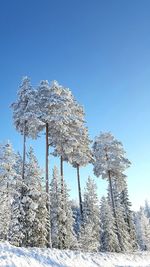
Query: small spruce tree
<point>108,237</point>
<point>90,229</point>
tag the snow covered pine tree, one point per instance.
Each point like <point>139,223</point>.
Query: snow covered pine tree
<point>110,163</point>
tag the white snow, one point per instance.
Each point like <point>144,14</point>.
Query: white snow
<point>11,256</point>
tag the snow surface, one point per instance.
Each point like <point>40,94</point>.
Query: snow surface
<point>11,256</point>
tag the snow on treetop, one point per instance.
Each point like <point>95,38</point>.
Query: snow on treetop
<point>109,155</point>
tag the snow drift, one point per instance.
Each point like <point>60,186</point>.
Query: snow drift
<point>11,256</point>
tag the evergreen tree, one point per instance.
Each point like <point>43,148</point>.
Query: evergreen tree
<point>142,230</point>
<point>39,231</point>
<point>66,234</point>
<point>53,112</point>
<point>70,237</point>
<point>124,218</point>
<point>24,114</point>
<point>29,213</point>
<point>70,140</point>
<point>34,203</point>
<point>54,196</point>
<point>110,162</point>
<point>16,231</point>
<point>147,209</point>
<point>108,237</point>
<point>7,172</point>
<point>122,226</point>
<point>90,230</point>
<point>63,236</point>
<point>59,111</point>
<point>81,156</point>
<point>128,216</point>
<point>42,105</point>
<point>76,217</point>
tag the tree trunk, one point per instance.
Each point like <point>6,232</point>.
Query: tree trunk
<point>112,195</point>
<point>8,204</point>
<point>24,150</point>
<point>79,190</point>
<point>47,190</point>
<point>23,190</point>
<point>62,241</point>
<point>114,210</point>
<point>62,175</point>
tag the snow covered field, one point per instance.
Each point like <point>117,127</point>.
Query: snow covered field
<point>20,257</point>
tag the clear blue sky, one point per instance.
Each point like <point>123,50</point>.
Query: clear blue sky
<point>101,50</point>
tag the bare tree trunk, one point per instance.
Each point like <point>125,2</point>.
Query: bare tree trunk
<point>47,190</point>
<point>79,190</point>
<point>62,175</point>
<point>8,204</point>
<point>62,241</point>
<point>23,175</point>
<point>112,195</point>
<point>114,209</point>
<point>24,150</point>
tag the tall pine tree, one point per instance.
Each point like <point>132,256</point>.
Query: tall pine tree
<point>109,162</point>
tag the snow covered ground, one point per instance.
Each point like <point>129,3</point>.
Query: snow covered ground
<point>20,257</point>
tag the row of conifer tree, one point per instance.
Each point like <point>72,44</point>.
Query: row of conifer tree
<point>24,216</point>
<point>40,213</point>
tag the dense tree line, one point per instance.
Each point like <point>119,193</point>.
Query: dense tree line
<point>24,216</point>
<point>38,212</point>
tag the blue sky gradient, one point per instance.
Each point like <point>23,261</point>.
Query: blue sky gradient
<point>101,51</point>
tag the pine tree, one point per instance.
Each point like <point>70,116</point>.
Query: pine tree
<point>70,140</point>
<point>110,162</point>
<point>51,105</point>
<point>90,230</point>
<point>81,156</point>
<point>25,117</point>
<point>108,237</point>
